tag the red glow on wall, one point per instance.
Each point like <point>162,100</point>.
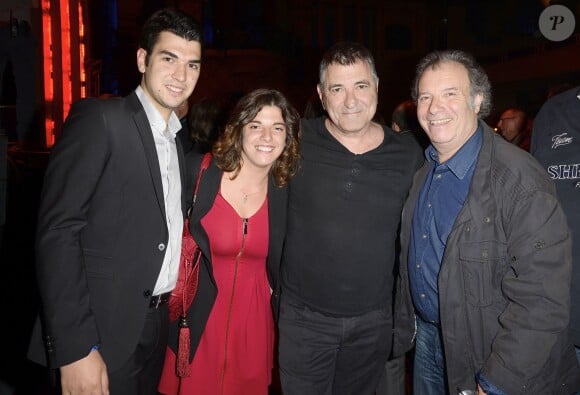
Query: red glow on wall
<point>48,69</point>
<point>82,52</point>
<point>66,56</point>
<point>64,51</point>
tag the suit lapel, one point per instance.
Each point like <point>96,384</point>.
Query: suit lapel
<point>146,134</point>
<point>277,207</point>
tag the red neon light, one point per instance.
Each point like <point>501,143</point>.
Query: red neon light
<point>66,57</point>
<point>48,81</point>
<point>82,52</point>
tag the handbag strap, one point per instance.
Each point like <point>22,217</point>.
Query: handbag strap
<point>204,165</point>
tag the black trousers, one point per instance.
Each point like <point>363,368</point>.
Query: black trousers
<point>141,373</point>
<point>392,381</point>
<point>325,355</point>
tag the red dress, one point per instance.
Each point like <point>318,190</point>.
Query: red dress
<point>235,353</point>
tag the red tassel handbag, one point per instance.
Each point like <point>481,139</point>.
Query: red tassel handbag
<point>186,287</point>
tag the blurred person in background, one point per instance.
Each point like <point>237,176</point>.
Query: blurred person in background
<point>556,145</point>
<point>515,126</point>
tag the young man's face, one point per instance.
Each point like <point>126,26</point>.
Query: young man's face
<point>350,96</point>
<point>172,72</point>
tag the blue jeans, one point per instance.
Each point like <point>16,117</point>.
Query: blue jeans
<point>578,358</point>
<point>429,376</point>
<point>325,355</point>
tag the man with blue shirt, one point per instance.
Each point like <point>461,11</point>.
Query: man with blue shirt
<point>484,287</point>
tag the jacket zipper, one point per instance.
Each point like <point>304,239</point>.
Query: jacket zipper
<point>230,306</point>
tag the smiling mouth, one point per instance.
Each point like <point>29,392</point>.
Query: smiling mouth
<point>437,122</point>
<point>263,148</point>
<point>174,89</point>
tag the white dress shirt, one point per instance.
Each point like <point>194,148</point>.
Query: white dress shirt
<point>164,137</point>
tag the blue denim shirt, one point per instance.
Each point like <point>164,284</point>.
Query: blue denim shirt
<point>440,200</point>
<point>488,387</point>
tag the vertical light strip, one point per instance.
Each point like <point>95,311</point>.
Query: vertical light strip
<point>66,57</point>
<point>48,70</point>
<point>82,49</point>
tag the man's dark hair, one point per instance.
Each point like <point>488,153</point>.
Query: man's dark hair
<point>346,53</point>
<point>172,21</point>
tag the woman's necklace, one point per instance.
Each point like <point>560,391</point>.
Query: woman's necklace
<point>246,195</point>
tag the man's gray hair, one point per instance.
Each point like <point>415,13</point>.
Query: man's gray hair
<point>477,77</point>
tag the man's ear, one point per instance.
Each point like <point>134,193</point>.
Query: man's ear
<point>320,96</point>
<point>141,63</point>
<point>477,102</point>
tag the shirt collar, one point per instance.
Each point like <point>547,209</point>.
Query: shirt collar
<point>158,124</point>
<point>464,158</point>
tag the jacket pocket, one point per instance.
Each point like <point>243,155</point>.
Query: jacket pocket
<point>97,263</point>
<point>481,266</point>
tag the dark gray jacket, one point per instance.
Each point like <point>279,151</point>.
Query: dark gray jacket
<point>504,283</point>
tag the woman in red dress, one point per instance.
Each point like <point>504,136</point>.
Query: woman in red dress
<point>238,221</point>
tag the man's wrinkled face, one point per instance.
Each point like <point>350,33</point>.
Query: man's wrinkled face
<point>350,96</point>
<point>445,108</point>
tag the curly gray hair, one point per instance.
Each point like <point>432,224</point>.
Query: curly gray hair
<point>477,77</point>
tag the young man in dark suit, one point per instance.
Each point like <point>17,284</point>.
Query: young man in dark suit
<point>110,223</point>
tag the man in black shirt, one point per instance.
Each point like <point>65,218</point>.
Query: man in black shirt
<point>344,209</point>
<point>556,145</point>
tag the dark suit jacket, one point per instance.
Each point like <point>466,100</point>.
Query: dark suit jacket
<point>101,234</point>
<point>207,290</point>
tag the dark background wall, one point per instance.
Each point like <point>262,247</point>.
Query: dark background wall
<point>255,42</point>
